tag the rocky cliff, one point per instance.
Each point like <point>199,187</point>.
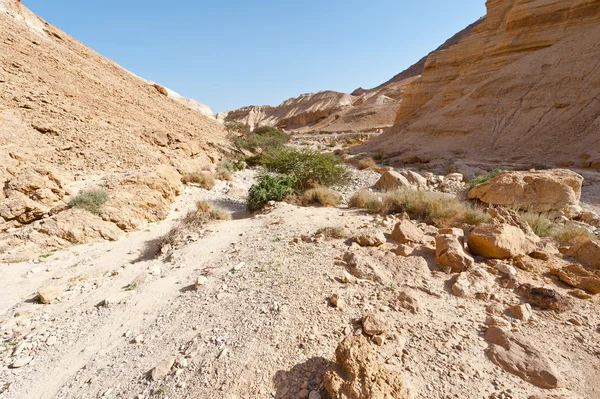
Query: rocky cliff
<point>522,87</point>
<point>332,112</point>
<point>71,119</point>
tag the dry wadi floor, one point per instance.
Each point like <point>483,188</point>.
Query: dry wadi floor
<point>261,325</point>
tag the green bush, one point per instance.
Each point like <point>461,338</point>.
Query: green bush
<point>309,167</point>
<point>477,180</point>
<point>261,140</point>
<point>270,188</point>
<point>91,200</point>
<point>237,127</point>
<point>233,165</point>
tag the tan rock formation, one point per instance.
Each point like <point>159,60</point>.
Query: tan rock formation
<point>357,374</point>
<point>499,241</point>
<point>405,231</point>
<point>587,252</point>
<point>392,180</point>
<point>68,115</point>
<point>521,358</point>
<point>522,87</point>
<point>450,254</point>
<point>538,191</point>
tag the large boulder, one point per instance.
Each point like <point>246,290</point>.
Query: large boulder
<point>587,252</point>
<point>520,357</point>
<point>78,227</point>
<point>390,181</point>
<point>538,191</point>
<point>450,254</point>
<point>499,241</point>
<point>357,374</point>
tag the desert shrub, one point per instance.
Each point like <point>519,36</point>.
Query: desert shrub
<point>475,216</point>
<point>237,127</point>
<point>261,140</point>
<point>320,195</point>
<point>477,180</point>
<point>269,188</point>
<point>233,165</point>
<point>365,199</point>
<point>333,233</point>
<point>91,200</point>
<point>367,163</point>
<point>192,223</point>
<point>204,180</point>
<point>440,209</point>
<point>309,167</point>
<point>571,235</point>
<point>540,223</point>
<point>223,174</point>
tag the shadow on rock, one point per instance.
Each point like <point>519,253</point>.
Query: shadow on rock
<point>307,376</point>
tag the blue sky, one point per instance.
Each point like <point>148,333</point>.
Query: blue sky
<point>228,54</point>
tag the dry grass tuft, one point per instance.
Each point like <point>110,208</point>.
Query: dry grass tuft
<point>320,195</point>
<point>442,210</point>
<point>223,174</point>
<point>367,163</point>
<point>203,179</point>
<point>568,234</point>
<point>192,224</point>
<point>333,233</point>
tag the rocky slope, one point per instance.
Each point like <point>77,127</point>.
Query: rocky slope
<point>334,112</point>
<point>523,87</point>
<point>71,119</point>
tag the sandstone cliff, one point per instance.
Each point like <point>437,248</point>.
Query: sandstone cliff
<point>522,87</point>
<point>71,119</point>
<point>332,112</point>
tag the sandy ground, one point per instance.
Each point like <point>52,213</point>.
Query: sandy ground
<point>262,325</point>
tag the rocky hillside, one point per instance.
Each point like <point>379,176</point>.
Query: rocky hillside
<point>523,87</point>
<point>72,119</point>
<point>333,112</point>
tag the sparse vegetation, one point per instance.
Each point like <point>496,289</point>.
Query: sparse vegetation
<point>270,188</point>
<point>333,233</point>
<point>203,179</point>
<point>261,140</point>
<point>192,223</point>
<point>439,209</point>
<point>309,167</point>
<point>367,163</point>
<point>567,234</point>
<point>237,127</point>
<point>91,200</point>
<point>477,180</point>
<point>320,195</point>
<point>233,165</point>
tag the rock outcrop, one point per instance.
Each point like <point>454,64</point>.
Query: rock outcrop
<point>521,358</point>
<point>521,87</point>
<point>357,374</point>
<point>537,191</point>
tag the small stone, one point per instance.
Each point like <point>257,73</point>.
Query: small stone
<point>162,369</point>
<point>506,269</point>
<point>50,294</point>
<point>378,340</point>
<point>155,271</point>
<point>404,250</point>
<point>521,312</point>
<point>314,395</point>
<point>348,278</point>
<point>200,282</point>
<point>374,324</point>
<point>21,362</point>
<point>335,300</point>
<point>239,266</point>
<point>139,339</point>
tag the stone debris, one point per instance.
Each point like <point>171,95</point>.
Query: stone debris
<point>50,294</point>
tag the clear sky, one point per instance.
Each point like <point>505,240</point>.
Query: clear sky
<point>228,54</point>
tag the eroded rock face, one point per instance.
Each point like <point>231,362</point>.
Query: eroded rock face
<point>357,374</point>
<point>520,357</point>
<point>494,94</point>
<point>499,241</point>
<point>78,227</point>
<point>538,191</point>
